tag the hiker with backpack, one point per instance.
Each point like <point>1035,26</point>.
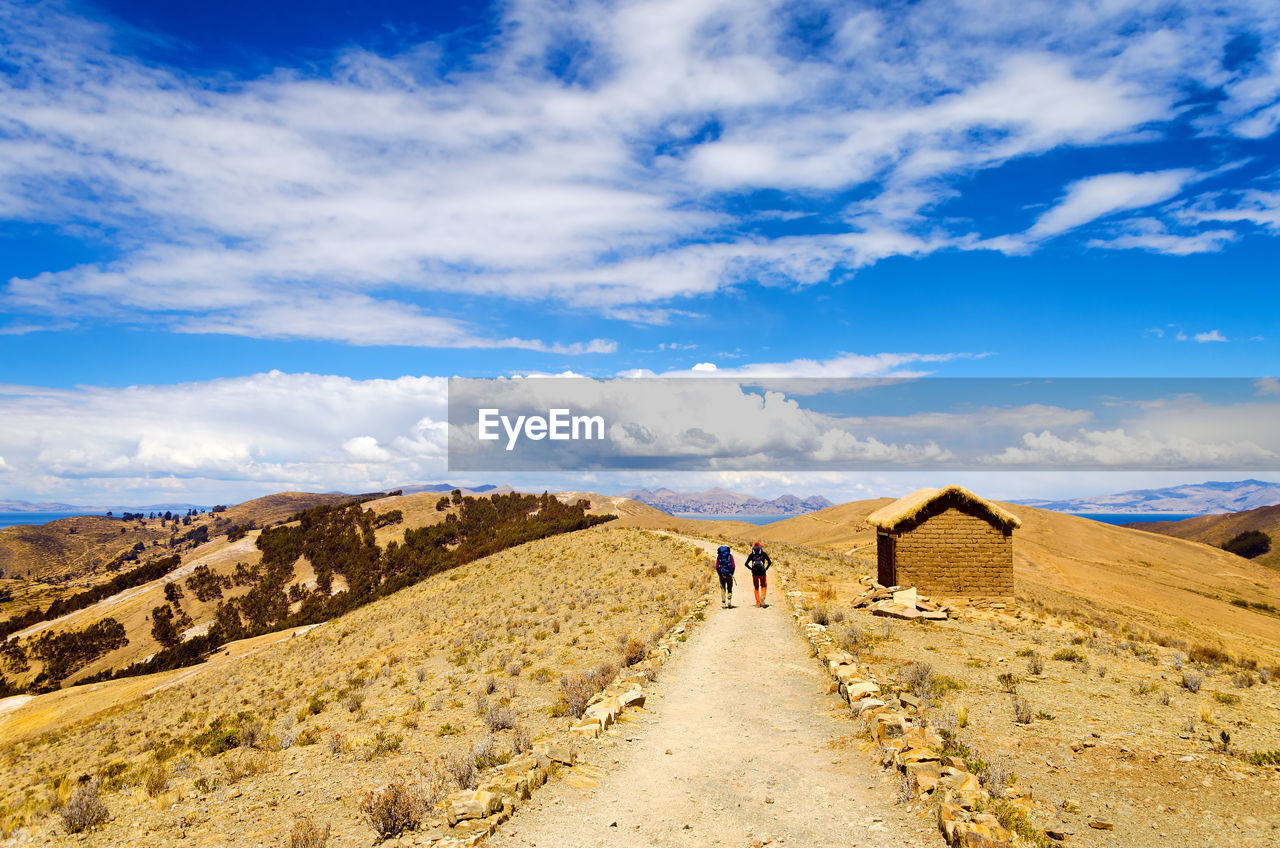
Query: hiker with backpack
<point>758,561</point>
<point>724,566</point>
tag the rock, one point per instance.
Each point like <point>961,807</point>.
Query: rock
<point>1055,835</point>
<point>1102,825</point>
<point>910,700</point>
<point>859,689</point>
<point>1071,806</point>
<point>892,610</point>
<point>560,751</point>
<point>632,698</point>
<point>479,804</point>
<point>906,597</point>
<point>934,615</point>
<point>587,729</point>
<point>866,704</point>
<point>888,726</point>
<point>926,775</point>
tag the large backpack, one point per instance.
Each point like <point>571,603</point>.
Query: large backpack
<point>724,561</point>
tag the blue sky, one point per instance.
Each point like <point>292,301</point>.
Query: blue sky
<point>228,233</point>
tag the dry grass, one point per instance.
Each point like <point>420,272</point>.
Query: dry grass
<point>413,665</point>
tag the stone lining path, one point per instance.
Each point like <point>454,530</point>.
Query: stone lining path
<point>740,746</point>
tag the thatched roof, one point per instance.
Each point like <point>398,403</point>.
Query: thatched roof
<point>891,516</point>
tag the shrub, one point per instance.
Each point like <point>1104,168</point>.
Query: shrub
<point>819,615</point>
<point>851,639</point>
<point>461,766</point>
<point>84,809</point>
<point>1249,544</point>
<point>578,689</point>
<point>1035,665</point>
<point>1068,655</point>
<point>498,717</point>
<point>1226,698</point>
<point>1264,758</point>
<point>392,809</point>
<point>917,677</point>
<point>305,834</point>
<point>1022,713</point>
<point>157,781</point>
<point>633,652</point>
<point>1191,681</point>
<point>1008,682</point>
<point>353,701</point>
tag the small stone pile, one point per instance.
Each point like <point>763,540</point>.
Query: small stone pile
<point>902,741</point>
<point>473,815</point>
<point>898,602</point>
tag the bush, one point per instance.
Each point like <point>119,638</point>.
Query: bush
<point>1035,665</point>
<point>84,810</point>
<point>819,615</point>
<point>917,677</point>
<point>1008,682</point>
<point>1022,713</point>
<point>157,781</point>
<point>461,766</point>
<point>851,640</point>
<point>1249,544</point>
<point>633,652</point>
<point>498,717</point>
<point>305,834</point>
<point>392,809</point>
<point>1068,655</point>
<point>1191,681</point>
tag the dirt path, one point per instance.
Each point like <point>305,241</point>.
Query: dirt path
<point>739,747</point>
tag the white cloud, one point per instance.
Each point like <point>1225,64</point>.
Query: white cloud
<point>265,432</point>
<point>1096,197</point>
<point>1152,235</point>
<point>844,366</point>
<point>348,203</point>
<point>1120,448</point>
<point>1268,386</point>
<point>1211,336</point>
<point>1261,208</point>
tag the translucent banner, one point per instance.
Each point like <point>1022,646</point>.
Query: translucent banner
<point>689,424</point>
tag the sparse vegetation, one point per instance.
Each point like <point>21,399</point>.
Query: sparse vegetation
<point>392,810</point>
<point>84,810</point>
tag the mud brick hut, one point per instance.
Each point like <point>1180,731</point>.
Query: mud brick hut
<point>947,542</point>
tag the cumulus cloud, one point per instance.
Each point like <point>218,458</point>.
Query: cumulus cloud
<point>350,201</point>
<point>264,432</point>
<point>1211,336</point>
<point>1124,449</point>
<point>843,366</point>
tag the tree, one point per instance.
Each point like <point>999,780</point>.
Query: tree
<point>172,592</point>
<point>162,629</point>
<point>1249,544</point>
<point>457,496</point>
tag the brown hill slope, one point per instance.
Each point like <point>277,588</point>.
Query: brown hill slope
<point>473,656</point>
<point>1116,576</point>
<point>77,549</point>
<point>72,548</point>
<point>1217,530</point>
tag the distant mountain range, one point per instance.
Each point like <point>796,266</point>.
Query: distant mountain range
<point>723,502</point>
<point>1194,498</point>
<point>53,506</point>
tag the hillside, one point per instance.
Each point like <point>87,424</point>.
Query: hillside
<point>78,549</point>
<point>1115,576</point>
<point>1216,530</point>
<point>306,722</point>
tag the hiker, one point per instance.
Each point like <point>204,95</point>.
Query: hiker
<point>758,561</point>
<point>724,568</point>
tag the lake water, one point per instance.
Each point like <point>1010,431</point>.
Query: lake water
<point>1135,517</point>
<point>9,519</point>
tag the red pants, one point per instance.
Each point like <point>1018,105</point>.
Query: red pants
<point>758,584</point>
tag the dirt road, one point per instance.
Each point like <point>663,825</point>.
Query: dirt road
<point>740,747</point>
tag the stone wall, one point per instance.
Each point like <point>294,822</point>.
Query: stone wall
<point>952,553</point>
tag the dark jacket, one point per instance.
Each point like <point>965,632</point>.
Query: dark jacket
<point>758,561</point>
